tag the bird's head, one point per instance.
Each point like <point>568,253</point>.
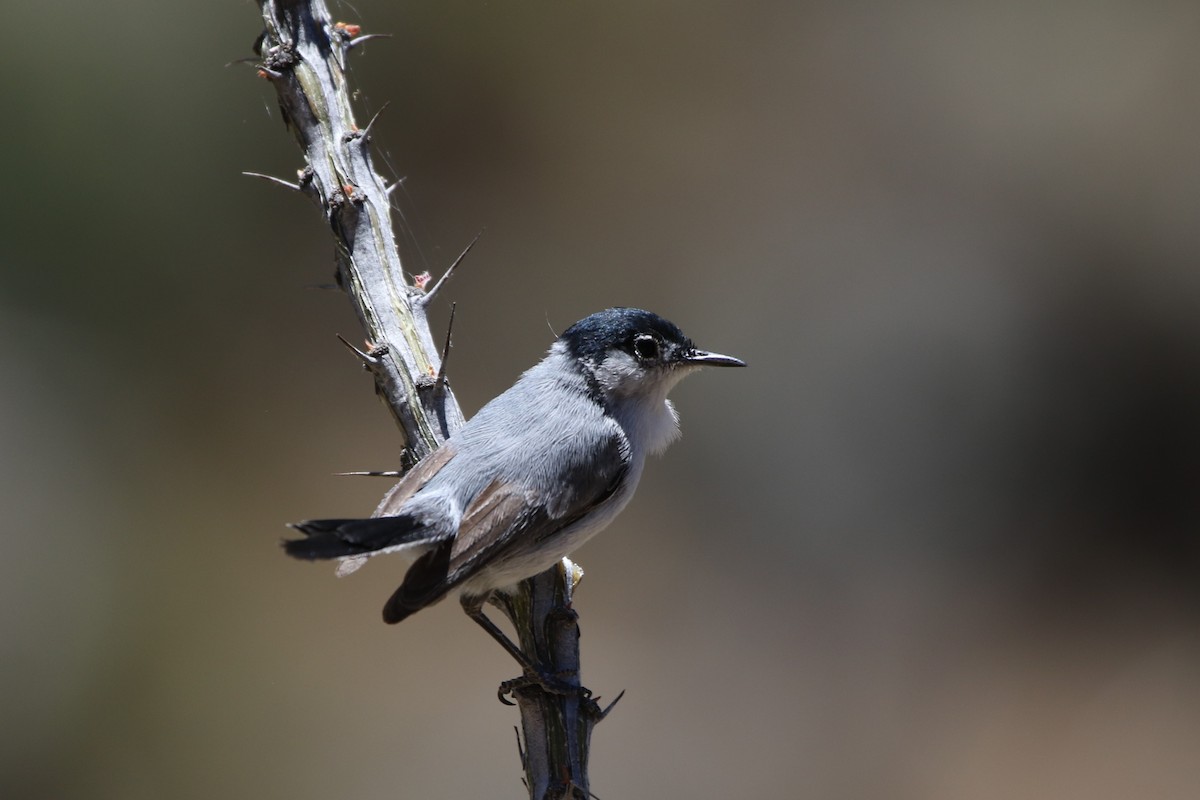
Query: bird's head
<point>636,354</point>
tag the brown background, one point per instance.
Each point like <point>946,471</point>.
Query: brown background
<point>939,541</point>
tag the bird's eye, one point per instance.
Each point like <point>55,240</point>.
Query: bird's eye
<point>646,347</point>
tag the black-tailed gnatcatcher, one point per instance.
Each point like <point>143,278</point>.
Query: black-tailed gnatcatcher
<point>537,472</point>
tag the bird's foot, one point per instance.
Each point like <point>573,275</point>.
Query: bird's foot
<point>549,684</point>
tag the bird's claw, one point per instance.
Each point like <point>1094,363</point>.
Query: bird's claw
<point>547,683</point>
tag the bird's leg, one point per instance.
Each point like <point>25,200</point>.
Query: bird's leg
<point>474,608</point>
<point>533,676</point>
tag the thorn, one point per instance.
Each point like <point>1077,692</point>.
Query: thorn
<point>251,60</point>
<point>273,179</point>
<point>367,130</point>
<point>386,473</point>
<point>439,387</point>
<point>357,40</point>
<point>425,298</point>
<point>367,358</point>
<point>609,707</point>
<point>396,184</point>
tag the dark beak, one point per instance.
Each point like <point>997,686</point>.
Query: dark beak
<point>703,358</point>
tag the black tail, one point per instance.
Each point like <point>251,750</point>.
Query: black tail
<point>337,538</point>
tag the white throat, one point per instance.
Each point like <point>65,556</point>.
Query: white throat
<point>638,402</point>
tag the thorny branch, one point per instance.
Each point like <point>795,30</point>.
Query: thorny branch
<point>303,54</point>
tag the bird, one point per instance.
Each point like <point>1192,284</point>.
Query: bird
<point>538,471</point>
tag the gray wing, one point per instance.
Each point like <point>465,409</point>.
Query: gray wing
<point>505,526</point>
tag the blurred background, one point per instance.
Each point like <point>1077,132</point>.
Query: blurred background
<point>938,541</point>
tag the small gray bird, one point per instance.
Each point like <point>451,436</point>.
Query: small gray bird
<point>536,473</point>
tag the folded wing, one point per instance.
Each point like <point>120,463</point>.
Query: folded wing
<point>508,526</point>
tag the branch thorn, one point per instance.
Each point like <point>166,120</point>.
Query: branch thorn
<point>425,298</point>
<point>396,184</point>
<point>367,130</point>
<point>441,376</point>
<point>609,707</point>
<point>366,358</point>
<point>273,179</point>
<point>357,40</point>
<point>520,747</point>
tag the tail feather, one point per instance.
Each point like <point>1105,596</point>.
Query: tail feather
<point>339,538</point>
